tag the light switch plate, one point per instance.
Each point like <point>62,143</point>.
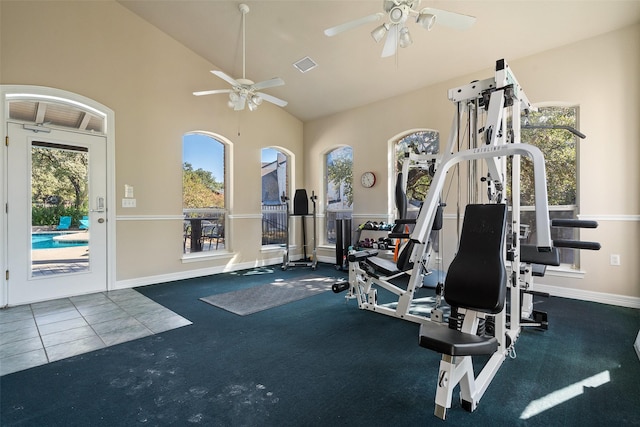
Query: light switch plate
<point>128,203</point>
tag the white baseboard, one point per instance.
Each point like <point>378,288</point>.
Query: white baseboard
<point>190,274</point>
<point>276,262</point>
<point>601,297</point>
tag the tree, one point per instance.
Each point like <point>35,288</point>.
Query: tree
<point>200,189</point>
<point>418,179</point>
<point>559,149</point>
<point>60,173</point>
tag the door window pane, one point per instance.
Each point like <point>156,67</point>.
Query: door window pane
<point>59,209</point>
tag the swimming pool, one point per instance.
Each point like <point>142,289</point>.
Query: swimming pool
<point>48,241</point>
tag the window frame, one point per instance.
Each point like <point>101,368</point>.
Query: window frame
<point>554,210</point>
<point>216,212</point>
<point>342,213</point>
<point>393,166</point>
<point>281,213</point>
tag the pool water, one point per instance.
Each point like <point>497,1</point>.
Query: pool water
<point>45,241</point>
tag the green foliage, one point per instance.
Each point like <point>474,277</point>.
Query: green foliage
<point>419,180</point>
<point>559,149</point>
<point>59,185</point>
<point>60,173</point>
<point>200,189</point>
<point>50,215</point>
<point>340,171</point>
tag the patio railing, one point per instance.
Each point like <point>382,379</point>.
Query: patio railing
<point>274,224</point>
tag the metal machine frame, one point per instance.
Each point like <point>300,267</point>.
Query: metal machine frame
<point>494,140</point>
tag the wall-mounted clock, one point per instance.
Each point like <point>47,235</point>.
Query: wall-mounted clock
<point>368,179</point>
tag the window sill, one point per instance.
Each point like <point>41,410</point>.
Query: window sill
<point>275,248</point>
<point>206,256</point>
<point>565,272</point>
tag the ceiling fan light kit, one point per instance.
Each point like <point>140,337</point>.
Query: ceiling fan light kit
<point>244,92</point>
<point>398,12</point>
<point>426,20</point>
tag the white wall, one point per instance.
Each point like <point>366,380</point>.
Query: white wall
<point>105,52</point>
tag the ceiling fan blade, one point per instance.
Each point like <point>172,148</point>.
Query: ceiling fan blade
<point>272,99</point>
<point>453,20</point>
<point>391,44</point>
<point>212,92</point>
<point>226,78</point>
<point>276,81</point>
<point>330,32</point>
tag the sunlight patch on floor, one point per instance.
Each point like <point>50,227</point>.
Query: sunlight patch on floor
<point>564,394</point>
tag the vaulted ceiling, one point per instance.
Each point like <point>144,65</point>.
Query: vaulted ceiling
<point>350,71</point>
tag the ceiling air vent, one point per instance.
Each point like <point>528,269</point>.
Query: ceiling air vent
<point>305,64</point>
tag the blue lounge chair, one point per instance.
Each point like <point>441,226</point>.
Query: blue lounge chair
<point>65,223</point>
<point>84,223</point>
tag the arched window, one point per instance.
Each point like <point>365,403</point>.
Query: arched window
<point>338,188</point>
<point>415,154</point>
<point>203,192</point>
<point>275,191</point>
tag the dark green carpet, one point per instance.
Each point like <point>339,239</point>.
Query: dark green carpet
<point>321,362</point>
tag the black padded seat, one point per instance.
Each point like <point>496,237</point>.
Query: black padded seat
<point>389,268</point>
<point>385,266</point>
<point>449,341</point>
<point>476,281</point>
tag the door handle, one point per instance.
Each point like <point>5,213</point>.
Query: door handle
<point>99,205</point>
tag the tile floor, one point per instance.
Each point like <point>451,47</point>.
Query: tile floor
<point>35,334</point>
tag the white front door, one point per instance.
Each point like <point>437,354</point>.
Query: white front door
<point>52,176</point>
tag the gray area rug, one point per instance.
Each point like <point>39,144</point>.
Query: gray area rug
<point>276,293</point>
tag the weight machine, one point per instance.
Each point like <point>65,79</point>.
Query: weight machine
<point>477,285</point>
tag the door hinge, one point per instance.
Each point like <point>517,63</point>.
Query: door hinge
<point>6,140</point>
<point>6,275</point>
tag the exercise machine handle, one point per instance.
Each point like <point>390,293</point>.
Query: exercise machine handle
<point>573,223</point>
<point>576,244</point>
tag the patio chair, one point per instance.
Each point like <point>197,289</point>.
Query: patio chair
<point>186,234</point>
<point>213,232</point>
<point>64,224</point>
<point>84,223</point>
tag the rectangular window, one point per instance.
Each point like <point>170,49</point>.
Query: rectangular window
<point>339,189</point>
<point>203,193</point>
<point>547,129</point>
<point>275,192</point>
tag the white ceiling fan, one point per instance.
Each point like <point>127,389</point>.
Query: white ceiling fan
<point>399,12</point>
<point>244,91</point>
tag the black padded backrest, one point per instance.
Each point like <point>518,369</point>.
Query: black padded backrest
<point>300,202</point>
<point>403,263</point>
<point>401,204</point>
<point>477,276</point>
<point>401,198</point>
